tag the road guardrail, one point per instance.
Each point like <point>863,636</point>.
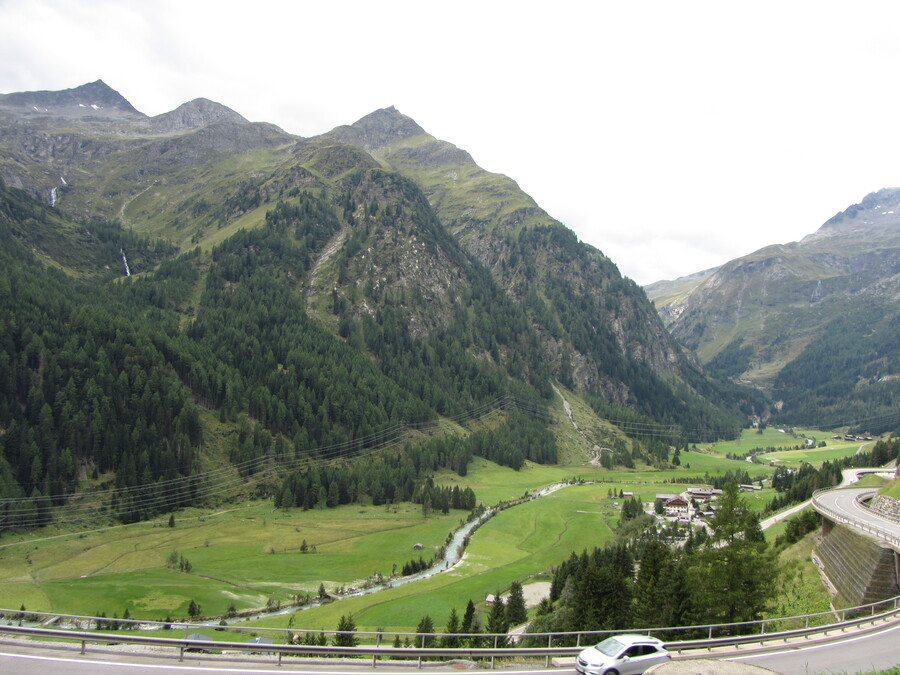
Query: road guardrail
<point>880,612</point>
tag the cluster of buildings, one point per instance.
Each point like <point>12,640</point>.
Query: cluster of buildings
<point>695,503</point>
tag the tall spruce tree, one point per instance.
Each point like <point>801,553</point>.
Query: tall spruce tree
<point>450,640</point>
<point>497,622</point>
<point>425,628</point>
<point>516,613</point>
<point>468,618</point>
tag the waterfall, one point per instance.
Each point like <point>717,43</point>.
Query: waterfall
<point>124,262</point>
<point>52,196</point>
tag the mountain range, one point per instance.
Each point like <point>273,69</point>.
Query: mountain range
<point>192,288</point>
<point>813,323</point>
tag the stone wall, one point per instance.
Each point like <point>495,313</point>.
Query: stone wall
<point>887,507</point>
<point>858,567</point>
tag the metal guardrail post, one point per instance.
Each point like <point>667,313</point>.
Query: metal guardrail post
<point>83,645</point>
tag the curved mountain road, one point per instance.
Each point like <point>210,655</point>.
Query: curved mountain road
<point>843,506</point>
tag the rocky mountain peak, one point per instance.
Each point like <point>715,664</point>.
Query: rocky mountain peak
<point>877,212</point>
<point>378,129</point>
<point>88,100</point>
<point>196,114</point>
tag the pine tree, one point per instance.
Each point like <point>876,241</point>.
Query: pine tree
<point>468,618</point>
<point>733,519</point>
<point>497,623</point>
<point>475,639</point>
<point>426,626</point>
<point>345,634</point>
<point>516,613</point>
<point>450,639</point>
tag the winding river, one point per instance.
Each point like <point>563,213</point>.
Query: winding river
<point>452,555</point>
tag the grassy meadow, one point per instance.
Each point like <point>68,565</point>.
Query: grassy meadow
<point>252,555</point>
<point>241,557</point>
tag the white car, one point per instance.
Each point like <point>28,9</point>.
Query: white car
<point>622,655</point>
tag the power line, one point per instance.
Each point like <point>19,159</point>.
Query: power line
<point>165,495</point>
<point>176,492</point>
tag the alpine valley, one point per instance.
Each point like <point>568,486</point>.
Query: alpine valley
<point>199,302</point>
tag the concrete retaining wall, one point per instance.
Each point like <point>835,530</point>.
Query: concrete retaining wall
<point>858,567</point>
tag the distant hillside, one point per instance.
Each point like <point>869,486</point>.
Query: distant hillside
<point>813,323</point>
<point>669,294</point>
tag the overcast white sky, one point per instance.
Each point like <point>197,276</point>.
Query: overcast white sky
<point>673,136</point>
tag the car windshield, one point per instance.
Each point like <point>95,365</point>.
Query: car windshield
<point>609,647</point>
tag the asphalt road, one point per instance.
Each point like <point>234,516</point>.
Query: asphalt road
<point>854,654</point>
<point>859,654</point>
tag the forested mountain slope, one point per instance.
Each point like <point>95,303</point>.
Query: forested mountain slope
<point>597,326</point>
<point>194,290</point>
<point>813,322</point>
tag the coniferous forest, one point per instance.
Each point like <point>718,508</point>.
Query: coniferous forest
<point>105,383</point>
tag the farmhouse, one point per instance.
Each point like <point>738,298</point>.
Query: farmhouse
<point>676,506</point>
